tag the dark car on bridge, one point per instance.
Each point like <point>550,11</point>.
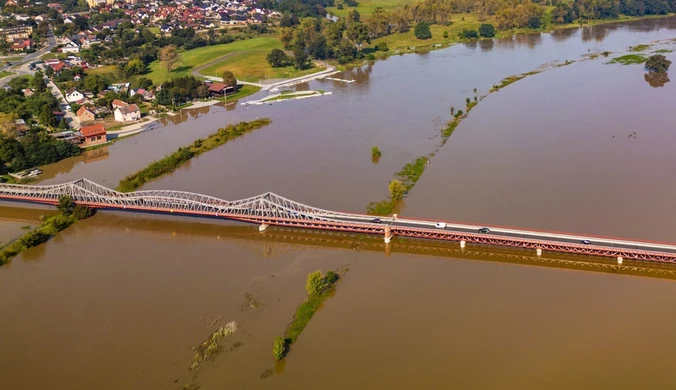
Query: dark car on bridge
<point>585,242</point>
<point>376,220</point>
<point>484,230</point>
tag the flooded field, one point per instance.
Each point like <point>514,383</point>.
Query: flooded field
<point>119,300</point>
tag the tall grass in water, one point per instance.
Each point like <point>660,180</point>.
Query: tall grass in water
<point>211,346</point>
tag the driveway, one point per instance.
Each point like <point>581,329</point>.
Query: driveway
<point>71,118</point>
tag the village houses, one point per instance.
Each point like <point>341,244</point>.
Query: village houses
<point>73,96</point>
<point>84,114</point>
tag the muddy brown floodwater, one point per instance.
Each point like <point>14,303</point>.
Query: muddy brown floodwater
<point>117,301</point>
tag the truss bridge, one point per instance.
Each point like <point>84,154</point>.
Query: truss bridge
<point>270,209</point>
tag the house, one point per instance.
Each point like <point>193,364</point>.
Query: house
<point>220,89</point>
<point>73,95</point>
<point>139,91</point>
<point>127,113</point>
<point>93,135</point>
<point>21,45</point>
<point>117,103</point>
<point>77,77</point>
<point>28,92</point>
<point>58,66</point>
<point>70,47</point>
<point>84,114</point>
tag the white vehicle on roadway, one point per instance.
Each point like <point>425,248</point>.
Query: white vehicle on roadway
<point>440,225</point>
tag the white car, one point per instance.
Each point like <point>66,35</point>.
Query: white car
<point>440,225</point>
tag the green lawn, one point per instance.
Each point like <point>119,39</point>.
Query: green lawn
<point>366,7</point>
<point>112,72</point>
<point>5,73</point>
<point>192,59</point>
<point>405,40</point>
<point>253,66</point>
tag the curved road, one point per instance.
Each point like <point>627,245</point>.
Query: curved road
<point>21,68</point>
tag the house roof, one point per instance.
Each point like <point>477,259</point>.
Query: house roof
<point>93,130</point>
<point>217,87</point>
<point>58,66</point>
<point>118,103</point>
<point>128,109</point>
<point>82,110</point>
<point>70,91</point>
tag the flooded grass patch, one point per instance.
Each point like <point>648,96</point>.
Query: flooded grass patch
<point>629,59</point>
<point>663,51</point>
<point>640,47</point>
<point>171,162</point>
<point>319,287</point>
<point>211,347</point>
<point>69,213</point>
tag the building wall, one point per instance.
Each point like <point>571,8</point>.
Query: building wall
<point>95,140</point>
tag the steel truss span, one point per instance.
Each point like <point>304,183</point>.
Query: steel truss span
<point>272,209</point>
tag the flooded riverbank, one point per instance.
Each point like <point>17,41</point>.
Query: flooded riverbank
<point>118,300</point>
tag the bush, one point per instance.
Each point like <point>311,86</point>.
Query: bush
<point>375,152</point>
<point>82,211</point>
<point>315,283</point>
<point>468,34</point>
<point>381,46</point>
<point>422,30</point>
<point>279,348</point>
<point>397,189</point>
<point>445,34</point>
<point>331,277</point>
<point>370,57</point>
<point>487,30</point>
<point>534,22</point>
<point>657,64</point>
<point>34,238</point>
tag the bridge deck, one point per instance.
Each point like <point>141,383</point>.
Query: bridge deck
<point>272,209</point>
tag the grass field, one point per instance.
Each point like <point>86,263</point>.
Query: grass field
<point>110,72</point>
<point>5,73</point>
<point>366,7</point>
<point>407,39</point>
<point>253,66</point>
<point>243,91</point>
<point>192,59</point>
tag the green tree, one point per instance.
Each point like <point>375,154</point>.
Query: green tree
<point>316,284</point>
<point>657,64</point>
<point>487,30</point>
<point>135,66</point>
<point>66,204</point>
<point>375,152</point>
<point>534,21</point>
<point>169,57</point>
<point>397,189</point>
<point>279,348</point>
<point>422,30</point>
<point>300,59</point>
<point>229,78</point>
<point>445,35</point>
<point>81,211</point>
<point>468,34</point>
<point>353,16</point>
<point>358,33</point>
<point>277,58</point>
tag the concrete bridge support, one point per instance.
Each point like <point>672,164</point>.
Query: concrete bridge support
<point>388,234</point>
<point>262,227</point>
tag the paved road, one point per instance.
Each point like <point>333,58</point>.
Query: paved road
<point>71,118</point>
<point>526,234</point>
<point>21,68</point>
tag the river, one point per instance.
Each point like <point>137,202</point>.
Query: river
<point>117,301</point>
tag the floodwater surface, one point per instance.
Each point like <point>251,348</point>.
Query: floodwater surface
<point>118,301</point>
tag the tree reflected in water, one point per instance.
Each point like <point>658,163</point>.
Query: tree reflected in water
<point>656,79</point>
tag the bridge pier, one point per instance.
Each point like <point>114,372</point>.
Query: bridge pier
<point>619,260</point>
<point>539,251</point>
<point>388,234</point>
<point>262,227</point>
<point>462,244</point>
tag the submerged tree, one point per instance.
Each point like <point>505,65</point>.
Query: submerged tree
<point>397,189</point>
<point>657,64</point>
